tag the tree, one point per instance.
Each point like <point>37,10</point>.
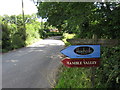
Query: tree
<point>83,18</point>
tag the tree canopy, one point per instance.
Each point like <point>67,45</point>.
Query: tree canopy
<point>83,18</point>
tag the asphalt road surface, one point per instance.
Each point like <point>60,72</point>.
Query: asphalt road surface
<point>34,66</point>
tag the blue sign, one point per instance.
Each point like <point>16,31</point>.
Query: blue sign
<point>82,51</point>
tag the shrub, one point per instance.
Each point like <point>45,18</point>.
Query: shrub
<point>14,35</point>
<point>108,74</point>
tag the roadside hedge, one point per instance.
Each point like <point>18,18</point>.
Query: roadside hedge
<point>14,35</point>
<point>107,75</point>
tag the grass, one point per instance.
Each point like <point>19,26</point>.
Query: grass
<point>73,77</point>
<point>104,76</point>
<point>67,36</point>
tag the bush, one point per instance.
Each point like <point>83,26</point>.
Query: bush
<point>17,41</point>
<point>53,34</point>
<point>6,41</point>
<point>32,33</point>
<point>108,74</point>
<point>14,35</point>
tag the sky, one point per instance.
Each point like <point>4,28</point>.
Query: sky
<point>14,7</point>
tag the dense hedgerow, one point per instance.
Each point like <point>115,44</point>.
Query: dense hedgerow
<point>15,35</point>
<point>107,75</point>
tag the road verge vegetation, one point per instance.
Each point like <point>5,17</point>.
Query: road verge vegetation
<point>67,36</point>
<point>15,35</point>
<point>107,75</point>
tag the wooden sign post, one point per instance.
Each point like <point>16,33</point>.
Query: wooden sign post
<point>84,50</point>
<point>102,42</point>
<point>94,41</point>
<point>93,68</point>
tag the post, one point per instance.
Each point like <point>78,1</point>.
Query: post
<point>24,27</point>
<point>93,68</point>
<point>23,14</point>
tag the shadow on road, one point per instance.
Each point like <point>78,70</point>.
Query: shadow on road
<point>33,66</point>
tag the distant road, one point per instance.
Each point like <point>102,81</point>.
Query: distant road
<point>33,66</point>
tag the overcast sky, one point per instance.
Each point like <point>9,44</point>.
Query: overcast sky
<point>14,7</point>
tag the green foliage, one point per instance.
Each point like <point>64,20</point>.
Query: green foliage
<point>14,35</point>
<point>108,74</point>
<point>53,34</point>
<point>74,78</point>
<point>5,36</point>
<point>11,37</point>
<point>32,32</point>
<point>83,18</point>
<point>48,31</point>
<point>67,17</point>
<point>17,41</point>
<point>67,36</point>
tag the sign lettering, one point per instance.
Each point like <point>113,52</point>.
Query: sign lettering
<point>93,62</point>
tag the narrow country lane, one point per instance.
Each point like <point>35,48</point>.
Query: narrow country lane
<point>33,66</point>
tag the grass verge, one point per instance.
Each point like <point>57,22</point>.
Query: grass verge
<point>73,77</point>
<point>107,75</point>
<point>67,36</point>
